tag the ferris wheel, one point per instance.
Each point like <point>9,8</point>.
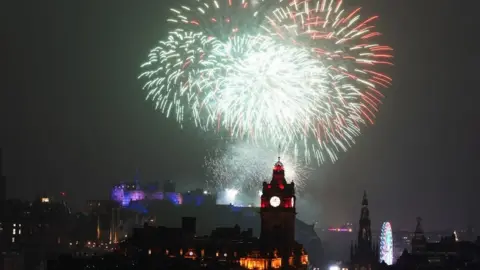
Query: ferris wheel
<point>386,244</point>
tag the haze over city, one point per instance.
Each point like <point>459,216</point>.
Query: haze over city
<point>75,120</point>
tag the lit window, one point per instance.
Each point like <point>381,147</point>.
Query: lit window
<point>14,225</point>
<point>13,239</point>
<point>14,231</point>
<point>19,231</point>
<point>20,225</point>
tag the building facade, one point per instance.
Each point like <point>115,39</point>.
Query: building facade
<point>276,247</point>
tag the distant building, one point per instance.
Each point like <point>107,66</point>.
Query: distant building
<point>36,229</point>
<point>11,261</point>
<point>419,242</point>
<point>159,246</point>
<point>449,253</point>
<point>135,195</point>
<point>104,219</point>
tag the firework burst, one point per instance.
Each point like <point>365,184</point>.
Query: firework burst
<point>242,166</point>
<point>302,74</point>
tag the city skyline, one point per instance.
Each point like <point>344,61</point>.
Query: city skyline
<point>74,117</point>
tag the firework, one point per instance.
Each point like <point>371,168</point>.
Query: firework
<point>242,166</point>
<point>174,68</point>
<point>302,74</point>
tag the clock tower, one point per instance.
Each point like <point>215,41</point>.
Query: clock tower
<point>277,211</point>
<point>277,245</point>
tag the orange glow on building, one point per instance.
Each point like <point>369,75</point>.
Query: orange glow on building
<point>261,263</point>
<point>190,254</point>
<point>98,228</point>
<point>304,259</point>
<point>257,262</point>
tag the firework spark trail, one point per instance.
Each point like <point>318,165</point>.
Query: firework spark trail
<point>298,73</point>
<point>243,166</point>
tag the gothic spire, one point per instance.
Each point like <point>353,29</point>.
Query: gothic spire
<point>364,200</point>
<point>365,213</point>
<point>419,228</point>
<point>364,232</point>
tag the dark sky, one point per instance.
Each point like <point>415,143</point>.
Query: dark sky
<point>74,117</point>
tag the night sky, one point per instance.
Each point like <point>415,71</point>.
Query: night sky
<point>74,119</point>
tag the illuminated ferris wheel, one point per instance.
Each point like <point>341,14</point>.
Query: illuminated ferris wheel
<point>386,244</point>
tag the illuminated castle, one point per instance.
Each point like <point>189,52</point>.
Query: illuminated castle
<point>278,248</point>
<point>127,194</point>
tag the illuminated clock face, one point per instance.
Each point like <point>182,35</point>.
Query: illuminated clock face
<point>274,201</point>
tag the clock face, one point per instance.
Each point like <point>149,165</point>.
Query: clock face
<point>274,201</point>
